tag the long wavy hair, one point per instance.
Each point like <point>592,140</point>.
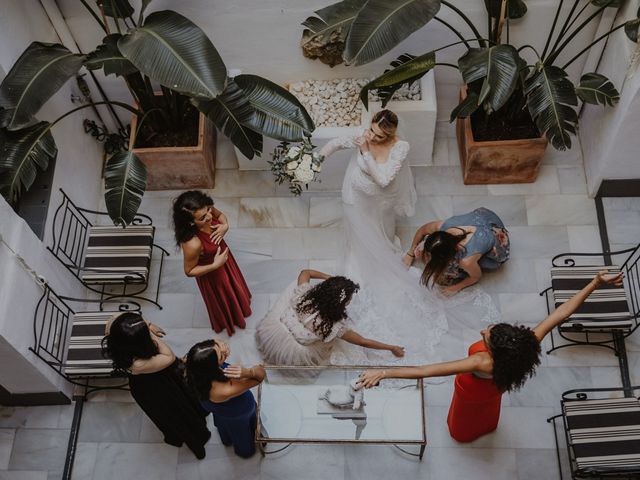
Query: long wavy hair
<point>442,248</point>
<point>329,299</point>
<point>129,338</point>
<point>183,209</point>
<point>203,368</point>
<point>516,354</point>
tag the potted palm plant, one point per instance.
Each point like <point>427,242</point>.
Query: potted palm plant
<point>162,50</point>
<point>509,108</point>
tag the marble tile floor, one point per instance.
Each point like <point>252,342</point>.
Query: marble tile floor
<point>273,236</point>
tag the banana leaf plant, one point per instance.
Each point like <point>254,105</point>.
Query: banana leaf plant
<point>500,82</point>
<point>162,48</point>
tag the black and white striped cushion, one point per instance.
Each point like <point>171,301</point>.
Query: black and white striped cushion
<point>84,356</point>
<point>604,433</point>
<point>118,251</point>
<point>606,308</point>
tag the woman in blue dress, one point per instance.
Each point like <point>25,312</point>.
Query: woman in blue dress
<point>224,390</point>
<point>456,251</point>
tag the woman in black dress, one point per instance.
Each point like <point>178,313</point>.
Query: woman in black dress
<point>156,382</point>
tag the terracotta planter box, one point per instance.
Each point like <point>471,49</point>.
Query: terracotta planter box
<point>499,161</point>
<point>181,168</point>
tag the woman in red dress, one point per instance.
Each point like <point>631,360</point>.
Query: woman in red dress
<point>501,362</point>
<point>199,230</point>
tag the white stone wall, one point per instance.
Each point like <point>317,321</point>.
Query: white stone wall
<point>609,136</point>
<point>77,171</point>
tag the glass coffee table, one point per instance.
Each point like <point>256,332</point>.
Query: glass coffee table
<point>309,405</point>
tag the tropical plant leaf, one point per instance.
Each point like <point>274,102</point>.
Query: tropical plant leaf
<point>407,69</point>
<point>22,153</point>
<point>498,67</point>
<point>36,76</point>
<point>108,57</point>
<point>607,3</point>
<point>175,52</point>
<point>466,107</point>
<point>515,8</point>
<point>550,100</point>
<point>631,28</point>
<point>383,24</point>
<point>125,180</point>
<point>325,35</point>
<point>597,89</point>
<point>231,111</point>
<point>116,8</point>
<point>143,7</point>
<point>279,114</point>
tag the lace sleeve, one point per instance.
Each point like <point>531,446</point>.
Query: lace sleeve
<point>339,143</point>
<point>384,174</point>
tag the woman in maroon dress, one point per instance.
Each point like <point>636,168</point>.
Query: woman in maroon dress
<point>502,361</point>
<point>199,230</point>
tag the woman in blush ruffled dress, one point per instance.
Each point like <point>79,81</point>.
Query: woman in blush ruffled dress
<point>199,229</point>
<point>307,320</point>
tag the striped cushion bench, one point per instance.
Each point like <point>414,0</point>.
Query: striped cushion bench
<point>605,310</point>
<point>116,252</point>
<point>84,356</point>
<point>605,434</point>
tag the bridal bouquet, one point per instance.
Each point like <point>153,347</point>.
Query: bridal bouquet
<point>297,164</point>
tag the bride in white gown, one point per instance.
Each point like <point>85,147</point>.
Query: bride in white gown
<point>392,305</point>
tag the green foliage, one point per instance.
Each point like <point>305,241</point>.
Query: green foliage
<point>597,89</point>
<point>125,180</point>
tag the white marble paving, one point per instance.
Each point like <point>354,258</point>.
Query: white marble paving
<point>274,212</point>
<point>273,235</point>
<point>7,436</point>
<point>561,210</point>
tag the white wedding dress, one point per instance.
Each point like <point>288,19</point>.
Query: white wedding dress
<point>391,306</point>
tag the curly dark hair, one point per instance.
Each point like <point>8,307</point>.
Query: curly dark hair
<point>516,353</point>
<point>183,209</point>
<point>329,299</point>
<point>442,247</point>
<point>203,368</point>
<point>129,338</point>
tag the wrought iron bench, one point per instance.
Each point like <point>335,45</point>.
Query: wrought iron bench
<point>610,310</point>
<point>602,429</point>
<point>70,341</point>
<point>105,257</point>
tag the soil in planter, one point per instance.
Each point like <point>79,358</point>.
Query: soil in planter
<point>186,136</point>
<point>502,125</point>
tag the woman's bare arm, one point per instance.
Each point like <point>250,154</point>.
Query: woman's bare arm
<point>306,275</point>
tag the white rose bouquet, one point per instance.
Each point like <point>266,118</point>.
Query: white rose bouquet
<point>297,164</point>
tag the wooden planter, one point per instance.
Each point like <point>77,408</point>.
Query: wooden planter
<point>499,161</point>
<point>181,168</point>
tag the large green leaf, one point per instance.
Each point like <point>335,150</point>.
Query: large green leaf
<point>466,107</point>
<point>515,8</point>
<point>36,76</point>
<point>108,57</point>
<point>279,114</point>
<point>550,100</point>
<point>607,3</point>
<point>325,35</point>
<point>22,153</point>
<point>597,89</point>
<point>125,180</point>
<point>383,24</point>
<point>231,111</point>
<point>498,67</point>
<point>176,53</point>
<point>407,69</point>
<point>116,8</point>
<point>632,27</point>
